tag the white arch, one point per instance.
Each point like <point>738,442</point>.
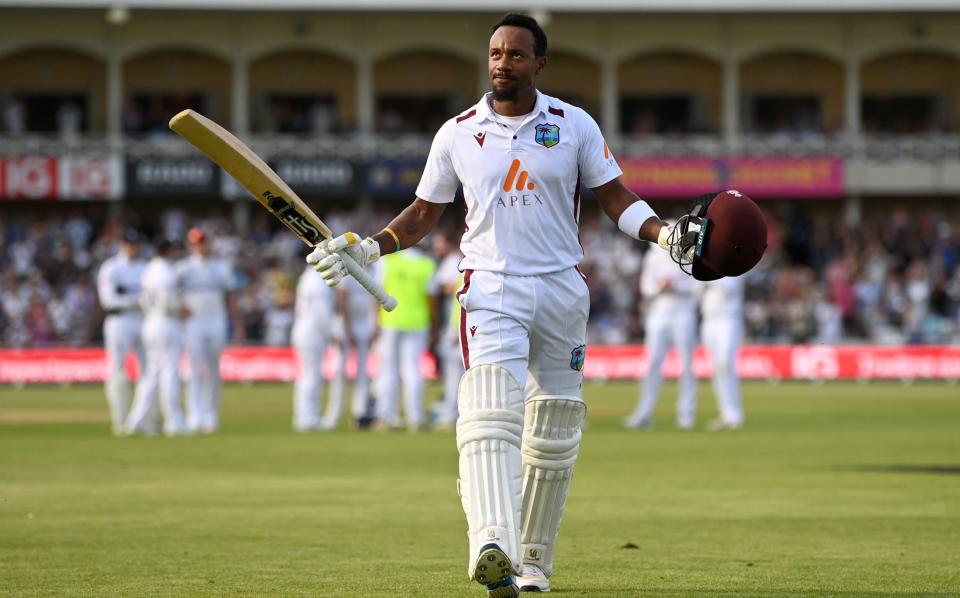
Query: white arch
<point>82,47</point>
<point>694,51</point>
<point>791,48</point>
<point>386,52</point>
<point>908,47</point>
<point>281,46</point>
<point>156,46</point>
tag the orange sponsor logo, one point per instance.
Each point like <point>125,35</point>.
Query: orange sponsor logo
<point>521,180</point>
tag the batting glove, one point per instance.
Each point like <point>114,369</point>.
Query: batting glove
<point>680,240</point>
<point>326,259</point>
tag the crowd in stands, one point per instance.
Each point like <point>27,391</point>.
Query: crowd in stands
<point>893,279</point>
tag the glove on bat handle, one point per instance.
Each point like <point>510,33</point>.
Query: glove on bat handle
<point>356,270</point>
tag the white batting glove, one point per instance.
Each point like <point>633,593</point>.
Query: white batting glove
<point>326,259</point>
<point>679,240</point>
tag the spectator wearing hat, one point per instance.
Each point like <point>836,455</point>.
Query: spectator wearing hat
<point>206,283</point>
<point>118,288</point>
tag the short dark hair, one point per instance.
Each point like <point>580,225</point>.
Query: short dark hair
<point>527,22</point>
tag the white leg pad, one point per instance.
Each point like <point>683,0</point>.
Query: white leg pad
<point>488,438</point>
<point>551,443</point>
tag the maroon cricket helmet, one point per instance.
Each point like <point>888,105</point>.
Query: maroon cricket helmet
<point>732,239</point>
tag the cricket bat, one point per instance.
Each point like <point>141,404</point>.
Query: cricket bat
<point>268,188</point>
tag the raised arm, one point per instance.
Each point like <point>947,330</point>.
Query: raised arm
<point>404,231</point>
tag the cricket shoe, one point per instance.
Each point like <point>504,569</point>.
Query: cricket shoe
<point>495,572</point>
<point>718,425</point>
<point>638,423</point>
<point>532,579</point>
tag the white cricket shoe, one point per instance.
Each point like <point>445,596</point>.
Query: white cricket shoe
<point>495,572</point>
<point>635,422</point>
<point>532,579</point>
<point>719,424</point>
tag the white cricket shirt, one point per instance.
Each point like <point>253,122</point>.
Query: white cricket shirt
<point>205,281</point>
<point>723,298</point>
<point>160,295</point>
<point>522,187</point>
<point>118,283</point>
<point>669,291</point>
<point>314,309</point>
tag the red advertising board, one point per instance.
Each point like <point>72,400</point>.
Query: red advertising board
<point>757,177</point>
<point>61,177</point>
<point>603,362</point>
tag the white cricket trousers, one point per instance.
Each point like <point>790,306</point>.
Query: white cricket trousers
<point>205,338</point>
<point>400,352</point>
<point>666,328</point>
<point>121,336</point>
<point>308,387</point>
<point>451,372</point>
<point>722,337</point>
<point>161,339</point>
<point>361,383</point>
<point>534,326</point>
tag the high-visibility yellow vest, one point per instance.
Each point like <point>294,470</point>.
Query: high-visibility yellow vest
<point>407,276</point>
<point>455,306</point>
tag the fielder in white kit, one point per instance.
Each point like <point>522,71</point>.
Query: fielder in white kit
<point>448,282</point>
<point>354,329</point>
<point>671,320</point>
<point>162,335</point>
<point>118,288</point>
<point>312,327</point>
<point>206,283</point>
<point>721,305</point>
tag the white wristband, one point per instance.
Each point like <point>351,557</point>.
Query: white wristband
<point>634,216</point>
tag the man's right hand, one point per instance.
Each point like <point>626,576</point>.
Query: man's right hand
<point>326,259</point>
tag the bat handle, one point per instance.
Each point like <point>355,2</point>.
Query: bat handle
<point>356,270</point>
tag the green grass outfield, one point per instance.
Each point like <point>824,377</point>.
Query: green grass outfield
<point>816,497</point>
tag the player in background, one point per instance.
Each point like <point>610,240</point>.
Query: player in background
<point>404,333</point>
<point>522,157</point>
<point>118,288</point>
<point>448,282</point>
<point>354,330</point>
<point>721,305</point>
<point>671,320</point>
<point>312,326</point>
<point>162,335</point>
<point>207,283</point>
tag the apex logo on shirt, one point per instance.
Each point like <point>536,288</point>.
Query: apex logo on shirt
<point>480,137</point>
<point>522,183</point>
<point>518,196</point>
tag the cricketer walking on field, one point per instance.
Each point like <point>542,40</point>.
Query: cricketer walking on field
<point>312,327</point>
<point>721,304</point>
<point>206,283</point>
<point>671,320</point>
<point>521,157</point>
<point>162,337</point>
<point>118,289</point>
